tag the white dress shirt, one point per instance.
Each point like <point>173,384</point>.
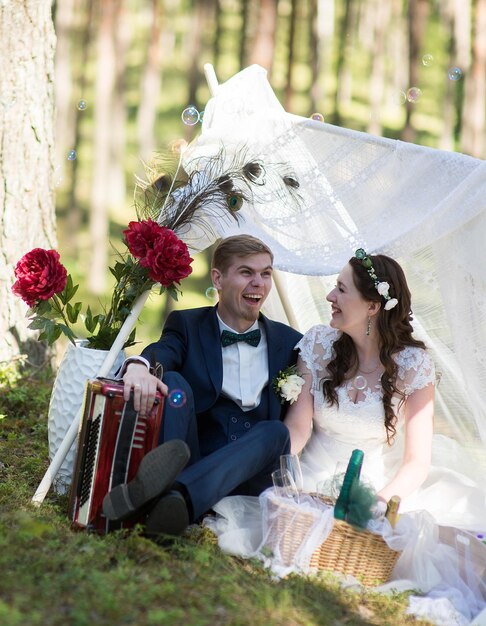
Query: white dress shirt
<point>245,369</point>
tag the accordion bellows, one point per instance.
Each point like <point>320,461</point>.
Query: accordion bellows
<point>113,439</point>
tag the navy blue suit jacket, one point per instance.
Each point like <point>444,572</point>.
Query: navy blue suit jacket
<point>190,344</point>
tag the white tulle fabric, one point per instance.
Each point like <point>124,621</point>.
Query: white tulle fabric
<point>422,206</point>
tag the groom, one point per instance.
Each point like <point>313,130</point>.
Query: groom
<point>217,365</point>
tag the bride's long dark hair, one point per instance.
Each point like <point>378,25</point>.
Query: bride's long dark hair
<point>394,330</point>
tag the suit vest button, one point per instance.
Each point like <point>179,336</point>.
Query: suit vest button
<point>233,437</point>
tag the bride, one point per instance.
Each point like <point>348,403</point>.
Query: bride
<point>369,384</point>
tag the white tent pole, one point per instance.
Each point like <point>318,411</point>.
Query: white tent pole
<point>211,78</point>
<point>104,370</point>
<point>213,85</point>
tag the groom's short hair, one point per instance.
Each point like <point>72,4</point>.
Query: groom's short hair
<point>237,246</point>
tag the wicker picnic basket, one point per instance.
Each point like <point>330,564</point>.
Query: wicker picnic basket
<point>360,553</point>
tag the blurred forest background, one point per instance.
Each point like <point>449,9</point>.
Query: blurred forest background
<point>124,71</point>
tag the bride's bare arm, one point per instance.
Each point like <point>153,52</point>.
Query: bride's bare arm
<point>299,415</point>
<point>419,413</point>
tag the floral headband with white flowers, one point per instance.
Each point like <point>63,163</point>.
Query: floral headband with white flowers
<point>382,287</point>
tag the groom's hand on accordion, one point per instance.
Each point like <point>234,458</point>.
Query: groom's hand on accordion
<point>144,385</point>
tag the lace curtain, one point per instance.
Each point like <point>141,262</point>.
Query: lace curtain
<point>424,207</point>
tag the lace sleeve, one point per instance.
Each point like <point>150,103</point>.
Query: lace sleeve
<point>416,369</point>
<point>315,349</point>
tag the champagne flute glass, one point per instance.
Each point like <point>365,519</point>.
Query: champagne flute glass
<point>337,479</point>
<point>291,462</point>
<point>283,484</point>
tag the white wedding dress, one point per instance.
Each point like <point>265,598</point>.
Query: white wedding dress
<point>446,564</point>
<point>450,492</point>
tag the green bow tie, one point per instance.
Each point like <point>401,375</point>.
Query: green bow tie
<point>252,337</point>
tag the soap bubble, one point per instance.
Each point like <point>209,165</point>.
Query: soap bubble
<point>455,73</point>
<point>413,94</point>
<point>201,116</point>
<point>190,116</point>
<point>72,155</point>
<point>317,117</point>
<point>211,293</point>
<point>427,60</point>
<point>401,97</point>
<point>82,105</point>
<point>177,398</point>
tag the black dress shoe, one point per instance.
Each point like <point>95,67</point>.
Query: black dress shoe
<point>169,516</point>
<point>156,474</point>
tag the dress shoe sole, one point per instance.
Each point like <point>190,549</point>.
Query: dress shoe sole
<point>168,517</point>
<point>156,474</point>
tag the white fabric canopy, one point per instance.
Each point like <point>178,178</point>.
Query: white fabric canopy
<point>424,207</point>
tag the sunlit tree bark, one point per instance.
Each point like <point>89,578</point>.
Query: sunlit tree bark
<point>381,25</point>
<point>290,56</point>
<point>343,75</point>
<point>218,14</point>
<point>321,33</point>
<point>473,139</point>
<point>417,19</point>
<point>73,223</point>
<point>100,191</point>
<point>64,25</point>
<point>27,218</point>
<point>263,48</point>
<point>244,17</point>
<point>122,40</point>
<point>151,83</point>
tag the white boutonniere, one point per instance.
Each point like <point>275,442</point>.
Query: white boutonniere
<point>288,384</point>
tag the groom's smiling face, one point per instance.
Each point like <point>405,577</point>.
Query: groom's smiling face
<point>243,288</point>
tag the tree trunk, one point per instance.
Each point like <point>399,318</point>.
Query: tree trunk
<point>122,37</point>
<point>27,217</point>
<point>73,222</point>
<point>343,88</point>
<point>218,32</point>
<point>290,56</point>
<point>321,34</point>
<point>381,25</point>
<point>244,13</point>
<point>474,110</point>
<point>263,48</point>
<point>396,50</point>
<point>63,80</point>
<point>104,89</point>
<point>417,19</point>
<point>151,85</point>
<point>197,28</point>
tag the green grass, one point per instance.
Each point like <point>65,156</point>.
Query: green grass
<point>54,576</point>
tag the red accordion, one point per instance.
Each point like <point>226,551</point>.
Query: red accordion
<point>113,440</point>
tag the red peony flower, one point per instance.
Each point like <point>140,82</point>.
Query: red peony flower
<point>162,258</point>
<point>168,261</point>
<point>141,236</point>
<point>39,275</point>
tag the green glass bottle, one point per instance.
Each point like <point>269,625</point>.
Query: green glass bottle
<point>352,475</point>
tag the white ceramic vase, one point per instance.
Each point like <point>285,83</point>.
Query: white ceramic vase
<point>78,365</point>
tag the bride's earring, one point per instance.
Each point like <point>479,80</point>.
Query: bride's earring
<point>368,326</point>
